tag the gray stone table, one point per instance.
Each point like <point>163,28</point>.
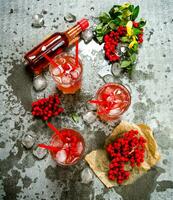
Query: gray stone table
<point>22,176</point>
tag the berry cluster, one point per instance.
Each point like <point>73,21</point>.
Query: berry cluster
<point>47,107</point>
<point>129,149</point>
<point>111,42</point>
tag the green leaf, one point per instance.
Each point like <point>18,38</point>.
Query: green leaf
<point>99,26</point>
<point>115,11</point>
<point>133,58</point>
<point>131,8</point>
<point>117,21</point>
<point>125,39</point>
<point>104,17</point>
<point>135,13</point>
<point>125,63</point>
<point>136,31</point>
<point>112,25</point>
<point>100,39</point>
<point>75,117</point>
<point>126,14</point>
<point>135,47</point>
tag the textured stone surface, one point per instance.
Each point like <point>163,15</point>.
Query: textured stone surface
<point>22,176</point>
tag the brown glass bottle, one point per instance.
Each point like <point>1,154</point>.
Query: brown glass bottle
<point>53,45</point>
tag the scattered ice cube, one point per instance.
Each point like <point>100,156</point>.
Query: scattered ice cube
<point>114,112</point>
<point>108,78</point>
<point>70,17</point>
<point>79,147</point>
<point>87,35</point>
<point>86,176</point>
<point>38,21</point>
<point>115,69</point>
<point>91,106</point>
<point>40,153</point>
<point>104,71</point>
<point>89,117</point>
<point>61,156</point>
<point>39,83</point>
<point>28,141</point>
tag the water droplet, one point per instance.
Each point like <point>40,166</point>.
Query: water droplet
<point>28,141</point>
<point>70,17</point>
<point>39,83</point>
<point>86,176</point>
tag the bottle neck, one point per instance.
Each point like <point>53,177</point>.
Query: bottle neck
<point>73,34</point>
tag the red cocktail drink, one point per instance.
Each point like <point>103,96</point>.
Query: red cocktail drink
<point>112,101</point>
<point>71,147</point>
<point>67,74</point>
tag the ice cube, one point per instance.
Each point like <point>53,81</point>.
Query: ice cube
<point>89,117</point>
<point>69,17</point>
<point>114,112</point>
<point>86,176</point>
<point>38,21</point>
<point>58,143</point>
<point>39,153</point>
<point>87,35</point>
<point>108,78</point>
<point>28,141</point>
<point>39,83</point>
<point>79,147</point>
<point>56,71</point>
<point>115,69</point>
<point>109,90</point>
<point>66,79</point>
<point>91,106</point>
<point>74,74</point>
<point>61,156</point>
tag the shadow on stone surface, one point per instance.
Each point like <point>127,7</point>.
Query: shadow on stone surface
<point>143,187</point>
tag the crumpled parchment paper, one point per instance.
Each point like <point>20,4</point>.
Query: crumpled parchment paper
<point>99,161</point>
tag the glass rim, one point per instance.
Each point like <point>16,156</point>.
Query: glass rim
<point>83,143</point>
<point>115,84</point>
<point>73,80</point>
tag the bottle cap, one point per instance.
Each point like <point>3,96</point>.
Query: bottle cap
<point>83,23</point>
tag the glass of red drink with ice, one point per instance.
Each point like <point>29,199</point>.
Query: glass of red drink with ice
<point>112,101</point>
<point>71,147</point>
<point>66,73</point>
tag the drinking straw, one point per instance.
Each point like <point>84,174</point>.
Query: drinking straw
<point>48,147</point>
<point>77,53</point>
<point>52,127</point>
<point>50,60</point>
